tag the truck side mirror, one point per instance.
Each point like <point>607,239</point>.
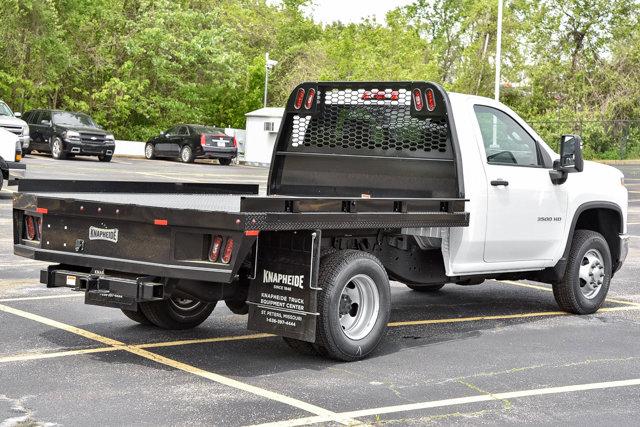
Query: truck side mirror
<point>571,153</point>
<point>570,159</point>
<point>46,122</point>
<point>17,114</point>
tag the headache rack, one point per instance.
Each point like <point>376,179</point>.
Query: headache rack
<point>367,139</point>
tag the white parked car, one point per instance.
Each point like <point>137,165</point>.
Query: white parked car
<point>10,155</point>
<point>12,122</point>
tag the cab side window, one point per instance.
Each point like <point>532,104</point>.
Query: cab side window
<point>505,141</point>
<point>45,115</point>
<point>183,130</point>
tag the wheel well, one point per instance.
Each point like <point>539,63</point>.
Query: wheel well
<point>607,222</point>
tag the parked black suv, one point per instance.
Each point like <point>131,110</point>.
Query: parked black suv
<point>187,142</point>
<point>65,134</point>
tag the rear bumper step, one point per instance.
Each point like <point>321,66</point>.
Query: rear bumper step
<point>104,290</point>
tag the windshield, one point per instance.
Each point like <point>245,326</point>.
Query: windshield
<point>72,119</point>
<point>208,129</point>
<point>5,110</point>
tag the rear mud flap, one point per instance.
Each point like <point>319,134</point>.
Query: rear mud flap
<point>283,294</point>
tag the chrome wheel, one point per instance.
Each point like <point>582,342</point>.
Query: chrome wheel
<point>56,148</point>
<point>148,151</point>
<point>184,304</point>
<point>186,154</point>
<point>591,273</point>
<point>359,307</point>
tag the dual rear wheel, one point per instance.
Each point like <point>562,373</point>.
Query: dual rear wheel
<point>174,313</point>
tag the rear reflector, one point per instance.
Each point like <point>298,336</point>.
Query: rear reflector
<point>160,222</point>
<point>228,250</point>
<point>30,227</point>
<point>431,99</point>
<point>214,252</point>
<point>299,98</point>
<point>310,98</point>
<point>42,210</point>
<point>417,99</point>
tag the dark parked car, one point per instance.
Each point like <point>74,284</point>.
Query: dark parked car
<point>65,134</point>
<point>187,142</point>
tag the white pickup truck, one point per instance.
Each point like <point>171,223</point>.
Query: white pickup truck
<point>369,182</point>
<point>10,155</point>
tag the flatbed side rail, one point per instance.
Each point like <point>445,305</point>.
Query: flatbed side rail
<point>80,186</point>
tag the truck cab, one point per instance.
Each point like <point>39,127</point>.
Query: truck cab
<point>520,218</point>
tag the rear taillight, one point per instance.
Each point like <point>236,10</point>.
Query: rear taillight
<point>30,227</point>
<point>299,99</point>
<point>431,99</point>
<point>203,139</point>
<point>228,250</point>
<point>235,142</point>
<point>214,252</point>
<point>417,99</point>
<point>310,98</point>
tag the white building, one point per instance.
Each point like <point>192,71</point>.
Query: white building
<point>262,129</point>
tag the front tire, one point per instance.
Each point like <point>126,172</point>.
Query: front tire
<point>186,154</point>
<point>104,158</point>
<point>224,162</point>
<point>585,284</point>
<point>177,313</point>
<point>354,305</point>
<point>57,149</point>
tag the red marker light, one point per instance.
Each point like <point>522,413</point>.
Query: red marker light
<point>431,99</point>
<point>395,95</point>
<point>310,98</point>
<point>299,99</point>
<point>160,222</point>
<point>228,250</point>
<point>42,210</point>
<point>417,99</point>
<point>215,248</point>
<point>30,227</point>
<point>252,232</point>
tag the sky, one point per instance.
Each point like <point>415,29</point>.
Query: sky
<point>347,11</point>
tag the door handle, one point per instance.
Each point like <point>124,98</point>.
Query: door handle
<point>499,181</point>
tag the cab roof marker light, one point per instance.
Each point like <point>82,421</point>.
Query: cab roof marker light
<point>160,222</point>
<point>299,99</point>
<point>431,99</point>
<point>417,99</point>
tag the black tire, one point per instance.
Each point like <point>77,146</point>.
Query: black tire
<point>301,347</point>
<point>1,180</point>
<point>426,288</point>
<point>57,149</point>
<point>186,154</point>
<point>137,316</point>
<point>149,151</point>
<point>104,158</point>
<point>175,313</point>
<point>225,162</point>
<point>26,151</point>
<point>571,292</point>
<point>338,271</point>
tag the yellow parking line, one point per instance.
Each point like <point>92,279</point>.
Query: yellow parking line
<point>40,356</point>
<point>203,341</point>
<point>548,289</point>
<point>500,317</point>
<point>267,394</point>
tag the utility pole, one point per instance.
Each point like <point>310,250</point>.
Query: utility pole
<point>269,64</point>
<point>498,52</point>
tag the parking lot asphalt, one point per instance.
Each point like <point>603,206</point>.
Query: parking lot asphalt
<point>497,353</point>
